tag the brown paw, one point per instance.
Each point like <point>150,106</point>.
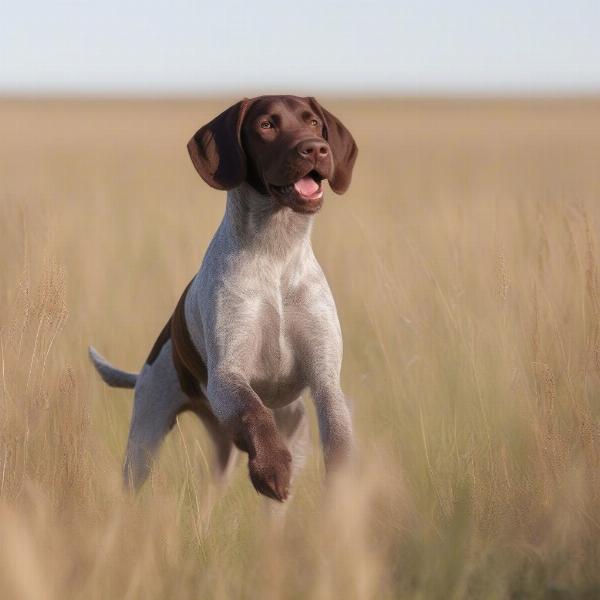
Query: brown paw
<point>270,472</point>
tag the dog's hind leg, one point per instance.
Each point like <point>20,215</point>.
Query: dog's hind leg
<point>158,401</point>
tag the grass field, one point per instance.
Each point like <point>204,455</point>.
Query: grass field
<point>465,263</point>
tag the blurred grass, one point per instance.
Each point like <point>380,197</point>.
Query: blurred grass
<point>465,265</point>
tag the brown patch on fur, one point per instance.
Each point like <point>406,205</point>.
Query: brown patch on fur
<point>188,363</point>
<point>161,340</point>
<point>191,370</point>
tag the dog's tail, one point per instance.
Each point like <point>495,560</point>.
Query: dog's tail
<point>111,375</point>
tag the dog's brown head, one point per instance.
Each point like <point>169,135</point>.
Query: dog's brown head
<point>283,146</point>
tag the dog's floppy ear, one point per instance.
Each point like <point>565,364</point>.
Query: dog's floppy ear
<point>343,148</point>
<point>216,149</point>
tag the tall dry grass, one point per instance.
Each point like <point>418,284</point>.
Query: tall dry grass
<point>466,268</point>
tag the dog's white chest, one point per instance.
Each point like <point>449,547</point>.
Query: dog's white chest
<point>275,372</point>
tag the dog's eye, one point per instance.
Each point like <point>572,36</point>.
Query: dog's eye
<point>314,122</point>
<point>265,125</point>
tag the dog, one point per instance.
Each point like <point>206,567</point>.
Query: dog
<point>257,325</point>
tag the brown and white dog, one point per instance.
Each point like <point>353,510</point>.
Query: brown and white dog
<point>257,325</point>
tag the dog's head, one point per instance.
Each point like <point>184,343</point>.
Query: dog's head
<point>283,146</point>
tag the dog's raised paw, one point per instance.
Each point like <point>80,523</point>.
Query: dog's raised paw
<point>270,472</point>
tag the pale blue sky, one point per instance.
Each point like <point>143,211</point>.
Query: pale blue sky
<point>365,47</point>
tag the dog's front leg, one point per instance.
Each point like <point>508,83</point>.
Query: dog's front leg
<point>335,424</point>
<point>254,431</point>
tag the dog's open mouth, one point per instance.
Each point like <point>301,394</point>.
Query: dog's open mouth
<point>308,188</point>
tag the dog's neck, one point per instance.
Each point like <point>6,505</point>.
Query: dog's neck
<point>258,221</point>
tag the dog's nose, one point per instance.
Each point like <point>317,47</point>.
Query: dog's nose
<point>312,149</point>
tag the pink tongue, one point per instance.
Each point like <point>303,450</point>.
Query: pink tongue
<point>306,186</point>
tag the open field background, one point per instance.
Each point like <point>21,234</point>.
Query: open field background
<point>465,263</point>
